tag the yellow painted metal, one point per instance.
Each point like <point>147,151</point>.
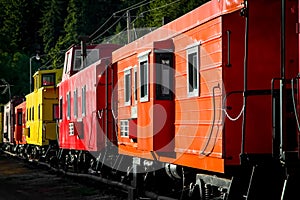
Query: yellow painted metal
<point>40,108</point>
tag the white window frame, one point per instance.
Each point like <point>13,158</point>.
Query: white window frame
<point>135,86</point>
<point>127,88</point>
<point>88,61</point>
<point>83,100</point>
<point>194,48</point>
<point>68,105</point>
<point>124,128</point>
<point>75,102</point>
<point>144,58</point>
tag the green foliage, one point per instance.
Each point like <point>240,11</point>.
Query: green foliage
<point>49,27</point>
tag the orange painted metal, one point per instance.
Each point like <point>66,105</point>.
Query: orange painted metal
<point>196,128</point>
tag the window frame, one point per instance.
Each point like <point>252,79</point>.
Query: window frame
<point>39,111</point>
<point>83,100</point>
<point>123,131</point>
<point>135,85</point>
<point>69,105</point>
<point>61,108</point>
<point>127,88</point>
<point>55,109</point>
<point>19,118</point>
<point>159,68</point>
<point>144,75</point>
<point>77,57</point>
<point>193,49</point>
<point>50,74</point>
<point>75,103</point>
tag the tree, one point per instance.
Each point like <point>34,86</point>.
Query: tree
<point>52,22</point>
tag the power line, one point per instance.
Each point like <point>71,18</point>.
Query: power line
<point>135,6</point>
<point>109,27</point>
<point>138,5</point>
<point>159,7</point>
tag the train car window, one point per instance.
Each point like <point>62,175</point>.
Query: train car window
<point>48,79</point>
<point>39,111</point>
<point>60,108</point>
<point>68,105</point>
<point>135,83</point>
<point>124,125</point>
<point>19,120</point>
<point>75,103</point>
<point>127,87</point>
<point>193,70</point>
<point>144,76</point>
<point>77,60</point>
<point>55,112</point>
<point>36,83</point>
<point>164,76</point>
<point>83,101</point>
<point>32,113</point>
<point>144,81</point>
<point>67,61</point>
<point>92,56</point>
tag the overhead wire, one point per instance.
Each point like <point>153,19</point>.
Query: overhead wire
<point>138,5</point>
<point>109,27</point>
<point>132,7</point>
<point>135,6</point>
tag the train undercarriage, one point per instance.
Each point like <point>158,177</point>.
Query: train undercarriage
<point>148,179</point>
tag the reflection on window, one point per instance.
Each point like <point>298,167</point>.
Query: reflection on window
<point>55,111</point>
<point>92,56</point>
<point>19,121</point>
<point>135,83</point>
<point>83,100</point>
<point>68,105</point>
<point>75,104</point>
<point>193,71</point>
<point>39,111</point>
<point>127,85</point>
<point>60,108</point>
<point>48,79</point>
<point>32,113</point>
<point>164,76</point>
<point>144,80</point>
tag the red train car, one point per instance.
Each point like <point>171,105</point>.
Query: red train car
<point>203,92</point>
<point>9,122</point>
<point>20,119</point>
<point>20,125</point>
<point>82,97</point>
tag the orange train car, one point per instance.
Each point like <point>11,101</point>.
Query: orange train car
<point>197,94</point>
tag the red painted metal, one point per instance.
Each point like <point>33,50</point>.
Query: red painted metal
<point>20,123</point>
<point>85,130</point>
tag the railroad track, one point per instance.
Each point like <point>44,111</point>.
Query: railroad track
<point>124,191</point>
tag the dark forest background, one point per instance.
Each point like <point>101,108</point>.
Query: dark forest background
<point>49,27</point>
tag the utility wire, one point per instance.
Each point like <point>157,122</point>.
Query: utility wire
<point>135,6</point>
<point>109,27</point>
<point>141,14</point>
<point>138,5</point>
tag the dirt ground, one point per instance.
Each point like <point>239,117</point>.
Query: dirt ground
<point>21,181</point>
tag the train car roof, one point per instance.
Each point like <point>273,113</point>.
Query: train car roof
<point>200,15</point>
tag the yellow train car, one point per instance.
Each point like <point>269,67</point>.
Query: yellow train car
<point>42,110</point>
